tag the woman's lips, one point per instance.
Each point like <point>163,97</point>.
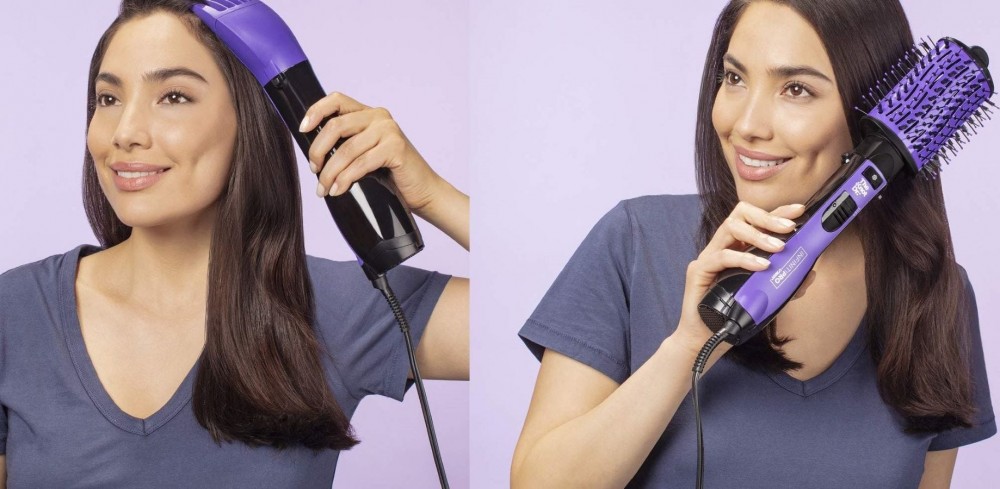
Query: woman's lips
<point>135,181</point>
<point>758,173</point>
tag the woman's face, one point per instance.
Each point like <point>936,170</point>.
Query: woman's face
<point>778,113</point>
<point>162,105</point>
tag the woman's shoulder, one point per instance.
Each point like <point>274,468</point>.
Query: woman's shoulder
<point>657,205</point>
<point>40,273</point>
<point>664,219</point>
<point>663,210</point>
<point>325,269</point>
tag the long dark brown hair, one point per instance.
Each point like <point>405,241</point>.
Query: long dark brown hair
<point>917,317</point>
<point>260,379</point>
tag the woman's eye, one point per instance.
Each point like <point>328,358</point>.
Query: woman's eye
<point>176,97</point>
<point>797,90</point>
<point>731,78</point>
<point>104,100</point>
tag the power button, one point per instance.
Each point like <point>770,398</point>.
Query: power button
<point>873,177</point>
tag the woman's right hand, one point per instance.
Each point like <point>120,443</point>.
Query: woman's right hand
<point>743,228</point>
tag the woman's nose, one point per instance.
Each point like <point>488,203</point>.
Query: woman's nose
<point>132,128</point>
<point>755,120</point>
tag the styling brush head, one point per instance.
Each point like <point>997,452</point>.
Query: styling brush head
<point>929,102</point>
<point>255,34</point>
<point>920,111</point>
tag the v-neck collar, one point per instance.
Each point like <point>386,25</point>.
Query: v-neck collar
<point>85,367</point>
<point>831,375</point>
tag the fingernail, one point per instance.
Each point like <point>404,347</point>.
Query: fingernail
<point>333,189</point>
<point>761,261</point>
<point>775,241</point>
<point>799,206</point>
<point>320,191</point>
<point>786,222</point>
<point>313,167</point>
<point>304,125</point>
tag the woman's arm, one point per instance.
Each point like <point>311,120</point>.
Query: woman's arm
<point>443,351</point>
<point>938,467</point>
<point>373,140</point>
<point>449,212</point>
<point>585,430</point>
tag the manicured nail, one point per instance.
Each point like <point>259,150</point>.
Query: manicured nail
<point>762,262</point>
<point>333,189</point>
<point>775,241</point>
<point>320,191</point>
<point>313,167</point>
<point>304,125</point>
<point>786,222</point>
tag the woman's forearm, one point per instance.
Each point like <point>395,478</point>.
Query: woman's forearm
<point>449,212</point>
<point>606,446</point>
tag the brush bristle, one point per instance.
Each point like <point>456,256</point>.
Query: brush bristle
<point>933,99</point>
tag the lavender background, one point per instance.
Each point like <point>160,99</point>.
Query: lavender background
<point>409,57</point>
<point>577,105</point>
<point>562,107</point>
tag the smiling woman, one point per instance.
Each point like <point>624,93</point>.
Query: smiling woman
<point>872,376</point>
<point>131,176</point>
<point>158,86</point>
<point>199,346</point>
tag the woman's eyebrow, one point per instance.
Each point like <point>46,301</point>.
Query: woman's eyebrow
<point>153,76</point>
<point>781,71</point>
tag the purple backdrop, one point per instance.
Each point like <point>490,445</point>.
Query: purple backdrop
<point>577,105</point>
<point>411,58</point>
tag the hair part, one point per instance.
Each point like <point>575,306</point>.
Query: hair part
<point>260,380</point>
<point>917,316</point>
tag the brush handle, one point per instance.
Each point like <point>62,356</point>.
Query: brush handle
<point>921,109</point>
<point>370,215</point>
<point>753,299</point>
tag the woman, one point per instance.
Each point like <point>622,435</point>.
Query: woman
<point>199,346</point>
<point>862,381</point>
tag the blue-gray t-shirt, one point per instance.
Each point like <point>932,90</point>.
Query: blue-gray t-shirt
<point>60,428</point>
<point>620,296</point>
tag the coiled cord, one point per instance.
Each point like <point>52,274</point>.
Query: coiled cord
<point>382,285</point>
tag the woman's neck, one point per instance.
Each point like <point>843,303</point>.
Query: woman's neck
<point>164,268</point>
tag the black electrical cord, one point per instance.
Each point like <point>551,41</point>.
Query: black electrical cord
<point>382,285</point>
<point>699,366</point>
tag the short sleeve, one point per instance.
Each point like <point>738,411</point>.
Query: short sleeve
<point>359,330</point>
<point>984,422</point>
<point>585,313</point>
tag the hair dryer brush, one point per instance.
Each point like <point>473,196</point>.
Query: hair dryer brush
<point>922,110</point>
<point>370,215</point>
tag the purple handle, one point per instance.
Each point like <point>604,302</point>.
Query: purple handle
<point>768,290</point>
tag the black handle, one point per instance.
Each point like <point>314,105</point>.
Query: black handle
<point>370,215</point>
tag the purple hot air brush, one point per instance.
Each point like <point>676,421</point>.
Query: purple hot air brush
<point>371,216</point>
<point>920,113</point>
<point>938,94</point>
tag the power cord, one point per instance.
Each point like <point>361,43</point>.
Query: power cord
<point>382,285</point>
<point>731,328</point>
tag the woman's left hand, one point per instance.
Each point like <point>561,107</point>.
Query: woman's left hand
<point>373,140</point>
